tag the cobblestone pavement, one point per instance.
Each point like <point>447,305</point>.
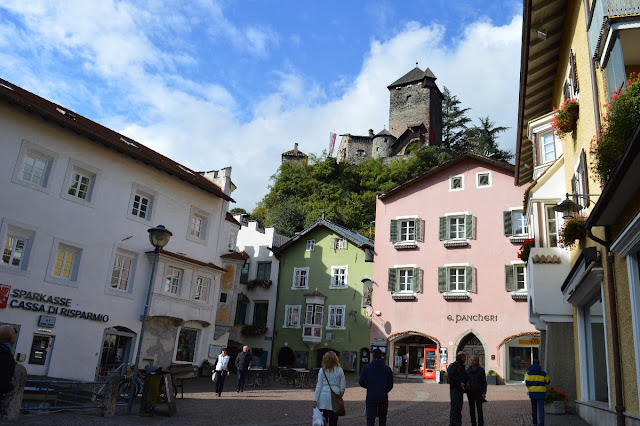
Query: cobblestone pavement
<point>410,403</point>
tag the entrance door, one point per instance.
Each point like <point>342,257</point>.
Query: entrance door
<point>471,345</point>
<point>116,351</point>
<point>409,360</point>
<point>520,359</point>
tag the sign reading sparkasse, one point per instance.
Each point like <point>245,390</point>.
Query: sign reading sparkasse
<point>39,302</point>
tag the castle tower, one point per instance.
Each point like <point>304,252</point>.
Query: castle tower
<point>415,99</point>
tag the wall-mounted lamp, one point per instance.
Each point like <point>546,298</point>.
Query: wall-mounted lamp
<point>568,208</point>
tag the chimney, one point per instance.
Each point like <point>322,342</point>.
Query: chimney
<point>370,133</point>
<point>295,148</point>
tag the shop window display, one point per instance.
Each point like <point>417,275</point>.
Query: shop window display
<point>186,345</point>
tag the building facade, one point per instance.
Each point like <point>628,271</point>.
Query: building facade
<point>323,292</point>
<point>78,199</point>
<point>446,274</point>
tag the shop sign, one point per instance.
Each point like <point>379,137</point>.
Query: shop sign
<point>38,302</point>
<point>379,341</point>
<point>473,318</point>
<point>535,341</point>
<point>46,321</point>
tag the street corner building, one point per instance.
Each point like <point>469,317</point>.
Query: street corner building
<point>77,201</point>
<point>324,294</point>
<point>447,276</point>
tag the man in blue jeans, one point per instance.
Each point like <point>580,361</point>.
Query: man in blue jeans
<point>243,364</point>
<point>377,378</point>
<point>537,380</point>
<point>457,385</point>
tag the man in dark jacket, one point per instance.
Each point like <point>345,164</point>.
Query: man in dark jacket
<point>537,380</point>
<point>377,378</point>
<point>7,363</point>
<point>457,385</point>
<point>243,364</point>
<point>476,390</point>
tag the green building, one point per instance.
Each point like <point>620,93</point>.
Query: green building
<point>324,297</point>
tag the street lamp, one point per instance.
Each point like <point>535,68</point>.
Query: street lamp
<point>568,207</point>
<point>158,237</point>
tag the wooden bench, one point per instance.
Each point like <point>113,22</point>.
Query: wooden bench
<point>181,372</point>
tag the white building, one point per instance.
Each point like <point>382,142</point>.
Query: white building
<point>255,313</point>
<point>77,200</point>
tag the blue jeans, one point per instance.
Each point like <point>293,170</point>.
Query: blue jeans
<point>538,419</point>
<point>379,408</point>
<point>242,374</point>
<point>455,414</point>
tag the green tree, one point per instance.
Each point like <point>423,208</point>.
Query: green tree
<point>454,122</point>
<point>238,210</point>
<point>483,140</point>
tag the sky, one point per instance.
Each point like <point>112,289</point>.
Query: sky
<point>218,83</point>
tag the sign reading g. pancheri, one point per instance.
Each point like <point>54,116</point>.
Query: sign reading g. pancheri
<point>478,317</point>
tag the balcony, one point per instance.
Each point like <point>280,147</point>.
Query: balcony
<point>547,268</point>
<point>605,13</point>
<point>311,334</point>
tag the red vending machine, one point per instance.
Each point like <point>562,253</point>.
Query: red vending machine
<point>430,363</point>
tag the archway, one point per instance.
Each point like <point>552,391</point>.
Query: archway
<point>414,356</point>
<point>471,345</point>
<point>286,357</point>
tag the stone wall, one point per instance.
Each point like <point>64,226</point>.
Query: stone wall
<point>408,105</point>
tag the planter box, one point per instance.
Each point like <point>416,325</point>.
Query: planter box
<point>492,380</point>
<point>555,407</point>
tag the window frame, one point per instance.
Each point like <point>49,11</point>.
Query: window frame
<point>71,247</point>
<point>195,345</point>
<point>332,284</point>
<point>295,280</point>
<point>288,314</point>
<point>445,228</point>
<point>11,227</point>
<point>255,311</point>
<point>490,179</point>
<point>205,218</point>
<point>402,240</point>
<point>394,274</point>
<point>140,190</point>
<point>339,243</point>
<point>180,279</point>
<point>197,287</point>
<point>92,173</point>
<point>547,221</point>
<point>128,252</point>
<point>316,314</point>
<point>244,272</point>
<point>260,274</point>
<point>444,281</point>
<point>311,245</point>
<point>510,224</point>
<point>29,148</point>
<point>233,240</point>
<point>332,316</point>
<point>452,179</point>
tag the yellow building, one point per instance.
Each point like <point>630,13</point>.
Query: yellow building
<point>584,293</point>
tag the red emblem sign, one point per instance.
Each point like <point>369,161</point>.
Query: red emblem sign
<point>4,295</point>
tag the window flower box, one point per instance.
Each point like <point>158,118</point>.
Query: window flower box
<point>253,330</point>
<point>525,249</point>
<point>566,117</point>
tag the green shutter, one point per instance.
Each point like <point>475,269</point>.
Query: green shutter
<point>393,231</point>
<point>392,279</point>
<point>509,281</point>
<point>468,276</point>
<point>418,223</point>
<point>468,226</point>
<point>442,279</point>
<point>508,223</point>
<point>417,281</point>
<point>443,228</point>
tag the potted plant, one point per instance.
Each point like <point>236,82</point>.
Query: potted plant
<point>572,230</point>
<point>555,401</point>
<point>251,284</point>
<point>492,377</point>
<point>525,249</point>
<point>205,368</point>
<point>619,123</point>
<point>443,377</point>
<point>565,118</point>
<point>253,330</point>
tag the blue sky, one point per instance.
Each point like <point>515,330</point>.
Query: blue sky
<point>236,83</point>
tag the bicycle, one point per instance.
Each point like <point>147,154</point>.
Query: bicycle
<point>124,388</point>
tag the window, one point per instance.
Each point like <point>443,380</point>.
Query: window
<point>203,284</point>
<point>172,280</point>
<point>244,273</point>
<point>594,334</point>
<point>516,277</point>
<point>404,279</point>
<point>186,347</point>
<point>408,98</point>
<point>545,148</point>
<point>314,314</point>
<point>121,272</point>
<point>515,223</point>
<point>241,312</point>
<point>264,271</point>
<point>223,297</point>
<point>339,276</point>
<point>579,183</point>
<point>483,179</point>
<point>339,243</point>
<point>34,166</point>
<point>551,226</point>
<point>198,226</point>
<point>455,278</point>
<point>456,183</point>
<point>300,278</point>
<point>233,237</point>
<point>80,182</point>
<point>361,153</point>
<point>14,249</point>
<point>292,316</point>
<point>260,311</point>
<point>336,317</point>
<point>79,185</point>
<point>18,241</point>
<point>64,263</point>
<point>457,227</point>
<point>311,245</point>
<point>406,230</point>
<point>548,146</point>
<point>571,89</point>
<point>141,206</point>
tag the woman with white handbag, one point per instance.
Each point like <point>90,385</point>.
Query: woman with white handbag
<point>221,371</point>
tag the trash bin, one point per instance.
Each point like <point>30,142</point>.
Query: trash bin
<point>151,389</point>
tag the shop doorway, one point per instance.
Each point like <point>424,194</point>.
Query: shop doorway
<point>286,357</point>
<point>520,359</point>
<point>409,356</point>
<point>471,345</point>
<point>116,351</point>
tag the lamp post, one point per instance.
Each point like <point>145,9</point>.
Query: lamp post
<point>568,207</point>
<point>158,237</point>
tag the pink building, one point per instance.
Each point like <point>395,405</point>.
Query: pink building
<point>447,271</point>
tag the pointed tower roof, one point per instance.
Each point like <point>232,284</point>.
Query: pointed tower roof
<point>412,76</point>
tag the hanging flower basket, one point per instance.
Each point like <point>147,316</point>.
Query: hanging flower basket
<point>572,230</point>
<point>258,282</point>
<point>566,118</point>
<point>525,249</point>
<point>253,330</point>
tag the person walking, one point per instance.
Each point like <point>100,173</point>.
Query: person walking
<point>377,378</point>
<point>221,371</point>
<point>457,385</point>
<point>330,378</point>
<point>7,363</point>
<point>476,390</point>
<point>536,381</point>
<point>243,364</point>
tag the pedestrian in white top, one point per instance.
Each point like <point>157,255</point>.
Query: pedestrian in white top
<point>222,371</point>
<point>335,377</point>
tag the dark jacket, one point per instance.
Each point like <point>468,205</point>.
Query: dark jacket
<point>7,367</point>
<point>477,379</point>
<point>536,380</point>
<point>377,378</point>
<point>457,375</point>
<point>243,361</point>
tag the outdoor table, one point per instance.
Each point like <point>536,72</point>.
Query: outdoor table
<point>301,377</point>
<point>260,376</point>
